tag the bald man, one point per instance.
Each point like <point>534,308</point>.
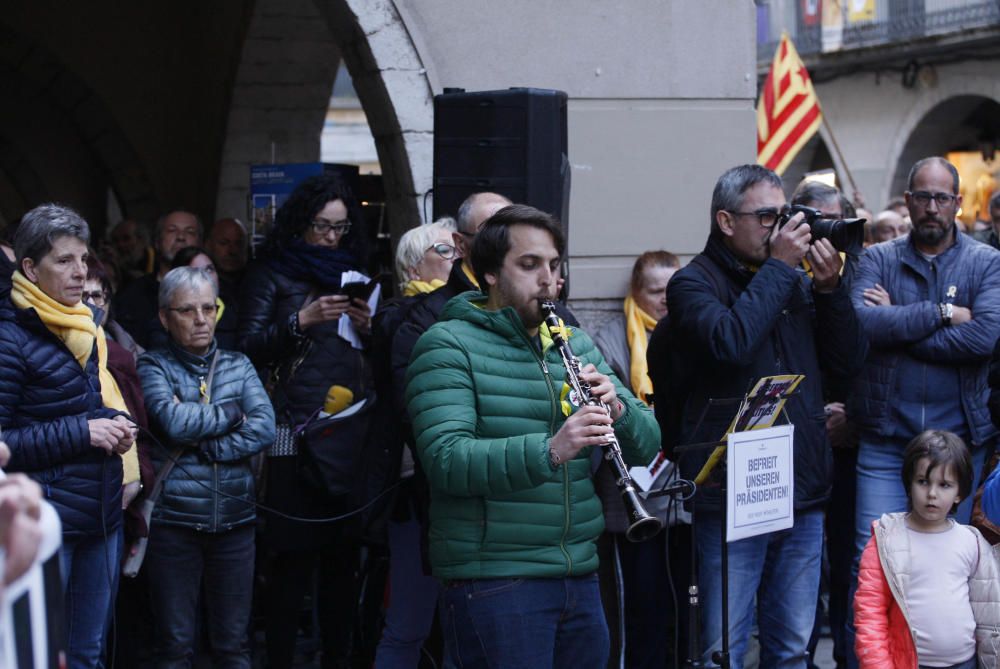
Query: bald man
<point>135,305</point>
<point>889,225</point>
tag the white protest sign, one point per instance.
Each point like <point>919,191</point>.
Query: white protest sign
<point>761,482</point>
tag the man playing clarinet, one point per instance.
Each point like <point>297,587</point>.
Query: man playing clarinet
<point>514,518</point>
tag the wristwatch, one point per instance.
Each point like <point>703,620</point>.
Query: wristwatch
<point>294,327</point>
<point>554,459</point>
<point>947,311</point>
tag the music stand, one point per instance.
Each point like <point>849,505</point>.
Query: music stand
<point>746,416</point>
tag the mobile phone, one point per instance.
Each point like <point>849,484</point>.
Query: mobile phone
<point>358,289</point>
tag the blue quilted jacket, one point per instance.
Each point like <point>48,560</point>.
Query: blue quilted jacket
<point>46,399</point>
<point>910,330</point>
<point>211,488</point>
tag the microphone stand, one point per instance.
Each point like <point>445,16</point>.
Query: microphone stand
<point>686,490</point>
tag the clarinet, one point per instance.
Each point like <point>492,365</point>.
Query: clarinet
<point>642,525</point>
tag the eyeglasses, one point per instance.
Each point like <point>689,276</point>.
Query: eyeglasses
<point>923,198</point>
<point>188,311</point>
<point>446,251</point>
<point>766,217</point>
<point>321,227</point>
<point>97,297</point>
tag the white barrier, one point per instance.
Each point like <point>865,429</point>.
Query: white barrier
<point>32,619</point>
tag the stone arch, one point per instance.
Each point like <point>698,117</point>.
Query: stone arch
<point>81,145</point>
<point>949,103</point>
<point>287,68</point>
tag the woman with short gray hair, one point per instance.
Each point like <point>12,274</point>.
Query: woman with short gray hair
<point>424,257</point>
<point>63,416</point>
<point>210,409</point>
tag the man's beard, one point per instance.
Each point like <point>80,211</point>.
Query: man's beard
<point>930,235</point>
<point>530,312</point>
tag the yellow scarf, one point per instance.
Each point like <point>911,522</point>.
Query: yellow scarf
<point>469,275</point>
<point>76,329</point>
<point>416,287</point>
<point>638,324</point>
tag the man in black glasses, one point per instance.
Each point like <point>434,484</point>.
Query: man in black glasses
<point>741,310</point>
<point>930,304</point>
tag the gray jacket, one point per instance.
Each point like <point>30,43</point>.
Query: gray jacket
<point>211,488</point>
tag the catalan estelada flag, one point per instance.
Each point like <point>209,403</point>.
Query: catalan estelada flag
<point>788,112</point>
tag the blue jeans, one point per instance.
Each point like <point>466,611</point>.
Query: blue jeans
<point>971,663</point>
<point>524,623</point>
<point>412,599</point>
<point>779,571</point>
<point>180,561</point>
<point>90,576</point>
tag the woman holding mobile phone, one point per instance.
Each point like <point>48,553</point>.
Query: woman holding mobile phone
<point>291,304</point>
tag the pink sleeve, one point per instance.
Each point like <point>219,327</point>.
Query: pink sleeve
<point>871,612</point>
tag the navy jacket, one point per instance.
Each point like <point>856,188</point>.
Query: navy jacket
<point>910,331</point>
<point>46,399</point>
<point>211,488</point>
<point>766,323</point>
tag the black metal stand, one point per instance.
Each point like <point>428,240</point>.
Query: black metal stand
<point>721,658</point>
<point>694,660</point>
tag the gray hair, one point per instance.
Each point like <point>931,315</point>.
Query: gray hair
<point>158,230</point>
<point>924,162</point>
<point>43,225</point>
<point>415,242</point>
<point>734,182</point>
<point>183,277</point>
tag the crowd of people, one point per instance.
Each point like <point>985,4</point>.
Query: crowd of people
<point>264,450</point>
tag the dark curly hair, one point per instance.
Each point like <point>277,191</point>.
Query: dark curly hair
<point>302,206</point>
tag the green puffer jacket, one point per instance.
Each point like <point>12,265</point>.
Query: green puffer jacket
<point>484,404</point>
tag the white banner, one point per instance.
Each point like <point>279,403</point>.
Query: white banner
<point>761,482</point>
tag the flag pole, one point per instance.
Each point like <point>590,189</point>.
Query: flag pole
<point>840,155</point>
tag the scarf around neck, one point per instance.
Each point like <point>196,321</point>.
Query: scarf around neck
<point>416,287</point>
<point>638,324</point>
<point>76,329</point>
<point>318,265</point>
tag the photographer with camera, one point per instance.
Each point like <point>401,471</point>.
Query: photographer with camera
<point>741,310</point>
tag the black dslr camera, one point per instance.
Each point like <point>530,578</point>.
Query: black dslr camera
<point>847,235</point>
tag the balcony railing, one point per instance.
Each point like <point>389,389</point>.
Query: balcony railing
<point>894,21</point>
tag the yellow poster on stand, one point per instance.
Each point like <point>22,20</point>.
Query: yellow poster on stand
<point>859,11</point>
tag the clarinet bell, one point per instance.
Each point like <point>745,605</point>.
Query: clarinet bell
<point>642,526</point>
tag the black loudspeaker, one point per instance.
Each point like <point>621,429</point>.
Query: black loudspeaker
<point>512,142</point>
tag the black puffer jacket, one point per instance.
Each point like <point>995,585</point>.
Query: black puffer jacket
<point>46,399</point>
<point>211,488</point>
<point>306,366</point>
